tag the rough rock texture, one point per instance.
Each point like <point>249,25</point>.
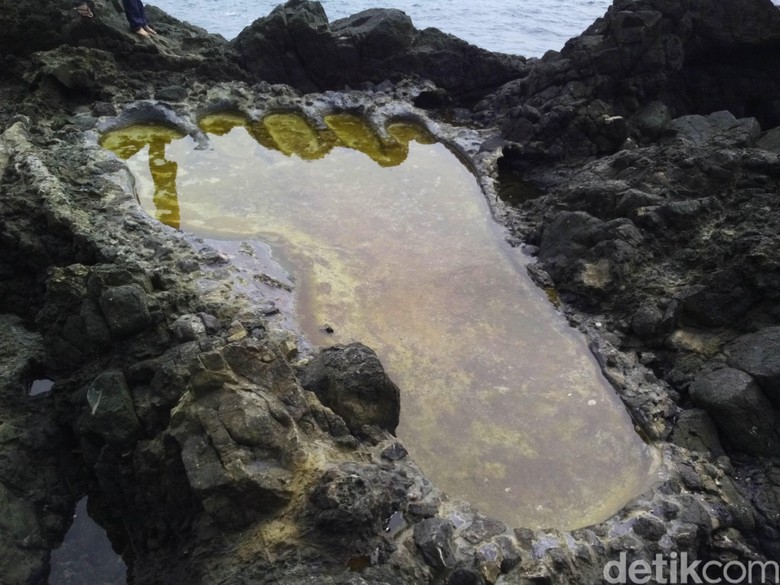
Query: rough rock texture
<point>352,382</point>
<point>740,409</point>
<point>296,45</point>
<point>642,64</point>
<point>82,54</point>
<point>178,404</point>
<point>667,237</point>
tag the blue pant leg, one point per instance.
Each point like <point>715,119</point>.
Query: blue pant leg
<point>134,11</point>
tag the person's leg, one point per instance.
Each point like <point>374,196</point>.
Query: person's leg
<point>147,28</point>
<point>134,11</point>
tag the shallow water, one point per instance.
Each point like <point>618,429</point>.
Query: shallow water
<point>86,556</point>
<point>392,243</point>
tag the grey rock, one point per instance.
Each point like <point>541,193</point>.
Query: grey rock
<point>649,527</point>
<point>356,497</point>
<point>483,528</point>
<point>722,298</point>
<point>109,410</point>
<point>741,411</point>
<point>434,539</point>
<point>758,354</point>
<point>296,44</point>
<point>125,310</point>
<point>395,452</point>
<point>463,576</point>
<point>188,328</point>
<point>770,140</point>
<point>696,430</point>
<point>351,381</point>
<point>231,452</point>
<point>646,321</point>
<point>652,119</point>
<point>172,93</point>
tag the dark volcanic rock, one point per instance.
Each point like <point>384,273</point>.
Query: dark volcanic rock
<point>355,497</point>
<point>296,45</point>
<point>586,253</point>
<point>352,382</point>
<point>636,67</point>
<point>176,405</point>
<point>83,52</point>
<point>758,354</point>
<point>434,539</point>
<point>695,430</point>
<point>110,412</point>
<point>125,310</point>
<point>741,411</point>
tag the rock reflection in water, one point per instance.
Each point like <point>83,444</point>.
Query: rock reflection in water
<point>502,403</point>
<point>86,556</point>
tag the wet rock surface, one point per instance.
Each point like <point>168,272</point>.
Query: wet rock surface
<point>178,402</point>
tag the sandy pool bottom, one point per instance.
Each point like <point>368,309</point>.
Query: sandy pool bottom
<point>391,243</point>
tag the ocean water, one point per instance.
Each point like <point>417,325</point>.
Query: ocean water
<point>520,27</point>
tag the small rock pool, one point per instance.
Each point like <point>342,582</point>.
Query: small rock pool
<point>391,242</point>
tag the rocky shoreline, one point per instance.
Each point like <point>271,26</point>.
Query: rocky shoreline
<point>647,157</point>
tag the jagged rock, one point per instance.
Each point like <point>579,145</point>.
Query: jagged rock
<point>81,46</point>
<point>296,45</point>
<point>434,539</point>
<point>582,252</point>
<point>651,120</point>
<point>641,53</point>
<point>78,68</point>
<point>770,141</point>
<point>465,577</point>
<point>701,129</point>
<point>232,453</point>
<point>109,410</point>
<point>125,310</point>
<point>741,411</point>
<point>483,528</point>
<point>695,430</point>
<point>356,498</point>
<point>188,328</point>
<point>722,298</point>
<point>351,381</point>
<point>646,321</point>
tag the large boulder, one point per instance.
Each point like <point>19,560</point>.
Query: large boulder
<point>741,411</point>
<point>758,354</point>
<point>351,381</point>
<point>584,254</point>
<point>296,45</point>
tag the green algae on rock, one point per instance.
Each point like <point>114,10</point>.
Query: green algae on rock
<point>503,404</point>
